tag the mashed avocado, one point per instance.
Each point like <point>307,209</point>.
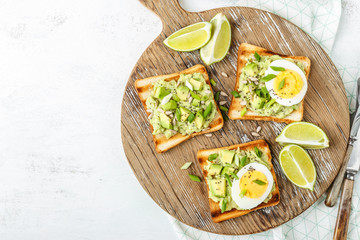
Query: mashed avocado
<point>253,91</point>
<point>184,106</point>
<point>218,169</point>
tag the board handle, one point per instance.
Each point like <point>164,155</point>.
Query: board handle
<point>164,8</point>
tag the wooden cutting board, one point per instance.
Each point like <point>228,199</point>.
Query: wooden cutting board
<point>160,175</point>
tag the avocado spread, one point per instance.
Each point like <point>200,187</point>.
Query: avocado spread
<point>184,106</point>
<point>223,166</point>
<point>253,92</point>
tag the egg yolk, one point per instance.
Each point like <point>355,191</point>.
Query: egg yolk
<point>288,84</point>
<point>250,182</point>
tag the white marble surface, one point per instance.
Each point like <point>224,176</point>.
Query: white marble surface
<point>63,68</point>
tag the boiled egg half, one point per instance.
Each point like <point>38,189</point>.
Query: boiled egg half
<point>253,186</point>
<point>290,84</point>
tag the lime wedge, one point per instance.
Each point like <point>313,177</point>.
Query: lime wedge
<point>190,38</point>
<point>297,166</point>
<point>217,48</point>
<point>305,134</point>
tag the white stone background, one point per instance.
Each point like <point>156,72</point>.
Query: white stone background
<point>63,69</point>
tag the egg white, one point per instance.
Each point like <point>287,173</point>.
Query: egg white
<point>270,84</point>
<point>246,202</point>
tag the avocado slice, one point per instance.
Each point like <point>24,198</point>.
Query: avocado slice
<point>251,69</point>
<point>227,170</point>
<point>184,114</point>
<point>215,169</point>
<point>227,156</point>
<point>165,121</point>
<point>171,105</point>
<point>197,85</point>
<point>199,119</point>
<point>182,92</point>
<point>161,92</point>
<point>218,187</point>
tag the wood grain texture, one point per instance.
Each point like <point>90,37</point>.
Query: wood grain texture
<point>342,220</point>
<point>160,175</point>
<point>335,188</point>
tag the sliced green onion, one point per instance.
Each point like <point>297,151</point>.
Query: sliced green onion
<point>217,96</point>
<point>281,84</point>
<point>234,176</point>
<point>235,94</point>
<point>225,117</point>
<point>195,96</point>
<point>270,103</point>
<point>258,152</point>
<point>208,110</point>
<point>212,81</point>
<point>194,178</point>
<point>223,205</point>
<point>178,114</point>
<point>243,111</point>
<point>262,104</point>
<point>186,165</point>
<point>277,68</point>
<point>259,182</point>
<point>267,78</point>
<point>243,192</point>
<point>225,109</point>
<point>243,161</point>
<point>257,56</point>
<point>191,118</point>
<point>228,179</point>
<point>213,156</point>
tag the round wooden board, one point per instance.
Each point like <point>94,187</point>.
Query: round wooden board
<point>160,175</point>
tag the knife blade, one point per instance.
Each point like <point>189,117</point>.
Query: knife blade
<point>342,221</point>
<point>336,186</point>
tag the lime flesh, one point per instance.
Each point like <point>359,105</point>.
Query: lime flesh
<point>218,46</point>
<point>190,38</point>
<point>305,134</point>
<point>298,166</point>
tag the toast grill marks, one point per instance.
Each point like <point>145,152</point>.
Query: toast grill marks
<point>144,88</point>
<point>215,210</point>
<point>245,50</point>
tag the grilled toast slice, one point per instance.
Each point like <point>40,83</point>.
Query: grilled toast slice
<point>144,88</point>
<point>234,113</point>
<point>215,210</point>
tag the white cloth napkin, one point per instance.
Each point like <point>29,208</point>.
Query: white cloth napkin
<point>320,19</point>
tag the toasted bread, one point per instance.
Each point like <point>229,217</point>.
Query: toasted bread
<point>245,50</point>
<point>215,210</point>
<point>144,88</point>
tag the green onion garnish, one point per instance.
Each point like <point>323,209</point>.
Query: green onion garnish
<point>235,94</point>
<point>223,205</point>
<point>191,118</point>
<point>257,56</point>
<point>213,156</point>
<point>225,109</point>
<point>194,178</point>
<point>277,68</point>
<point>234,176</point>
<point>178,114</point>
<point>243,192</point>
<point>267,78</point>
<point>228,179</point>
<point>257,181</point>
<point>258,152</point>
<point>212,81</point>
<point>186,165</point>
<point>281,84</point>
<point>243,161</point>
<point>208,110</point>
<point>243,111</point>
<point>217,96</point>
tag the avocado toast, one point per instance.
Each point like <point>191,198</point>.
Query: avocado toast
<point>250,104</point>
<point>179,106</point>
<point>220,167</point>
